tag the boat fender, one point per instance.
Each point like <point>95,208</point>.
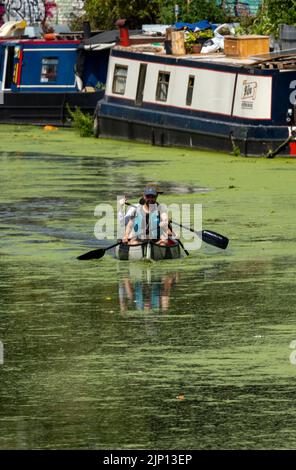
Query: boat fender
<point>50,37</point>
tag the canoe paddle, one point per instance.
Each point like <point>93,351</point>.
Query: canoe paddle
<point>98,253</point>
<point>209,237</point>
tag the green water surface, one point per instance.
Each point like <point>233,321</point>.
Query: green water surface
<point>195,353</point>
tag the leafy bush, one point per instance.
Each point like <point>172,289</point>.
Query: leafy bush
<point>102,14</point>
<point>82,123</point>
<point>192,12</point>
<point>269,16</point>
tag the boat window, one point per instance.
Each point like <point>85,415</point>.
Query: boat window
<point>162,86</point>
<point>49,69</point>
<point>119,79</point>
<point>190,90</point>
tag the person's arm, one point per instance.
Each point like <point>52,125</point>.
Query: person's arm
<point>164,220</point>
<point>130,214</point>
<point>128,230</point>
<point>121,215</point>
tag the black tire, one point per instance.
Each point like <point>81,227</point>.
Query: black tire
<point>96,127</point>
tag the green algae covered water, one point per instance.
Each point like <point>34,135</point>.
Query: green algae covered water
<point>197,353</point>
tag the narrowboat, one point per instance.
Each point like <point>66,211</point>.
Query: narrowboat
<point>207,101</point>
<point>144,251</point>
<point>40,78</point>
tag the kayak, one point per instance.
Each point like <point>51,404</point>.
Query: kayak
<point>150,251</point>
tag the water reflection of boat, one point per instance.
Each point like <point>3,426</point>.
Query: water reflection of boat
<point>150,251</point>
<point>145,290</point>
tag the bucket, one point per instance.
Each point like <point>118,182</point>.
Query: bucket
<point>292,149</point>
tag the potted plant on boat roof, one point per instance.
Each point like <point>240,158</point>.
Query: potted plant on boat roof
<point>195,40</point>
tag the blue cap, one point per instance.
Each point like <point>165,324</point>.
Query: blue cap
<point>150,191</point>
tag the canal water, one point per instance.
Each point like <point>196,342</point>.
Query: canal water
<point>196,353</point>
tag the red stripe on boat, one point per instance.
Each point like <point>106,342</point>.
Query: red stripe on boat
<point>20,68</point>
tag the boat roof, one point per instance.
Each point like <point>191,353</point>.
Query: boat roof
<point>40,41</point>
<point>273,60</point>
<point>107,37</point>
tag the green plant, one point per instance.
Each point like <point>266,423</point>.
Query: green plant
<point>269,16</point>
<point>76,21</point>
<point>192,38</point>
<point>206,34</point>
<point>102,14</point>
<point>82,123</point>
<point>100,86</point>
<point>263,24</point>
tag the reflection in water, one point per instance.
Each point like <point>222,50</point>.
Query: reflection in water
<point>145,291</point>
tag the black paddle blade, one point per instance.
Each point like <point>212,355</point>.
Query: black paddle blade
<point>215,239</point>
<point>94,254</point>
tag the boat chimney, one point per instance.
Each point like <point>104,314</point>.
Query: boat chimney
<point>123,32</point>
<point>86,30</point>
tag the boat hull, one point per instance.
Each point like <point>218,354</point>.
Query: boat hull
<point>45,107</point>
<point>150,251</point>
<point>172,131</point>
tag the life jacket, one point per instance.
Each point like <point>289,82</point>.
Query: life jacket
<point>146,225</point>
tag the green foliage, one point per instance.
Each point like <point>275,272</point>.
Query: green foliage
<point>81,122</point>
<point>281,12</point>
<point>103,14</point>
<point>192,12</point>
<point>76,21</point>
<point>206,34</point>
<point>100,86</point>
<point>270,15</point>
<point>193,37</point>
<point>204,10</point>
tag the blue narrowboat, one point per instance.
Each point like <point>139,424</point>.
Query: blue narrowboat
<point>40,77</point>
<point>210,101</point>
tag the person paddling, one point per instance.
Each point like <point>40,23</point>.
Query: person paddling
<point>149,221</point>
<point>125,216</point>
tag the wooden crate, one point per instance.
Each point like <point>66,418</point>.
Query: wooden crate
<point>176,38</point>
<point>244,46</point>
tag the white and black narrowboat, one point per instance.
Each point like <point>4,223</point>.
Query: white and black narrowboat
<point>209,101</point>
